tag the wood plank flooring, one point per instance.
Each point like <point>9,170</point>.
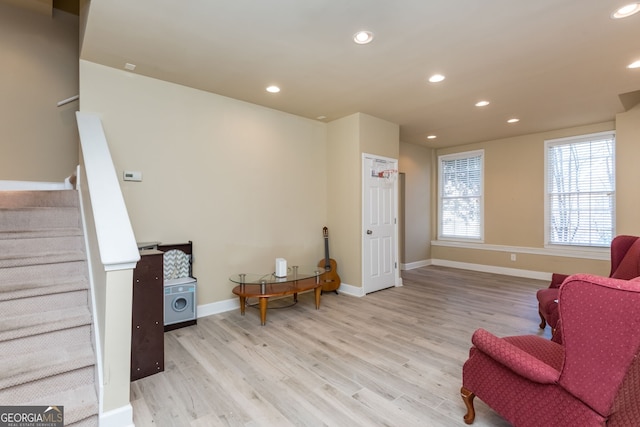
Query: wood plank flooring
<point>391,358</point>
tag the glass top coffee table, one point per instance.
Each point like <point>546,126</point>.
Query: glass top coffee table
<point>264,286</point>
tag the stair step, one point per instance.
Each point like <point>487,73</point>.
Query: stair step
<point>48,386</point>
<point>45,363</point>
<point>16,276</point>
<point>79,404</point>
<point>15,199</point>
<point>39,218</point>
<point>23,259</point>
<point>40,304</point>
<point>46,286</point>
<point>50,340</point>
<point>41,323</point>
<point>41,233</point>
<point>40,245</point>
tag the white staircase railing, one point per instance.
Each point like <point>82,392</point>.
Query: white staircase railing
<point>112,253</point>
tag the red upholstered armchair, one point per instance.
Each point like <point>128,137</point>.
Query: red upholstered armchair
<point>625,264</point>
<point>591,379</point>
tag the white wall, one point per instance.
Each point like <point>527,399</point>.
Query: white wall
<point>247,184</point>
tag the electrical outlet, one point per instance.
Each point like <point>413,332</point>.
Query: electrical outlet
<point>513,257</point>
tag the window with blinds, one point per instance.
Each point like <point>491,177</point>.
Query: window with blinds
<point>580,190</point>
<point>461,195</point>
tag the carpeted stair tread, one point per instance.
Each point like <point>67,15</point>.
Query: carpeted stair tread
<point>40,233</point>
<point>45,287</point>
<point>38,218</point>
<point>23,259</point>
<point>46,363</point>
<point>52,339</point>
<point>14,199</point>
<point>44,303</point>
<point>79,403</point>
<point>39,323</point>
<point>16,276</point>
<point>41,245</point>
<point>48,386</point>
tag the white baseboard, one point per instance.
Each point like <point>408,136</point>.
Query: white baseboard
<point>529,274</point>
<point>355,291</point>
<point>121,417</point>
<point>218,307</point>
<point>417,264</point>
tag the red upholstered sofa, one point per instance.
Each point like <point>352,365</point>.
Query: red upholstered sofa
<point>625,264</point>
<point>591,379</point>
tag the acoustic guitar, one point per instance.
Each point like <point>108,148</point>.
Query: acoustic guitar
<point>331,281</point>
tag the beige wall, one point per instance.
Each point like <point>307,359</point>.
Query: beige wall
<point>415,162</point>
<point>247,184</point>
<point>379,137</point>
<point>514,204</point>
<point>347,139</point>
<point>39,68</point>
<point>628,172</point>
<point>344,196</point>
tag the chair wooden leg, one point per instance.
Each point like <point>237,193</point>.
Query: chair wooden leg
<point>467,398</point>
<point>543,321</point>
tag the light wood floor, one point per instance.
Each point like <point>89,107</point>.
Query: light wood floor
<point>391,358</point>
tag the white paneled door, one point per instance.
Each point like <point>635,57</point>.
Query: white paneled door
<point>379,221</point>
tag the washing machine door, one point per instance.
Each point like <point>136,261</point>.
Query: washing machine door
<point>179,303</point>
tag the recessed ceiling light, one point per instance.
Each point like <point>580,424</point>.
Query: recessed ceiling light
<point>634,64</point>
<point>431,137</point>
<point>626,11</point>
<point>129,66</point>
<point>363,37</point>
<point>436,78</point>
<point>273,89</point>
<point>321,117</point>
<point>482,103</point>
<point>514,120</point>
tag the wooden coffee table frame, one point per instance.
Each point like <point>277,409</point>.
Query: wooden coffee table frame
<point>265,291</point>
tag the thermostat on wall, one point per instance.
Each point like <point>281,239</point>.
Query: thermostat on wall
<point>132,176</point>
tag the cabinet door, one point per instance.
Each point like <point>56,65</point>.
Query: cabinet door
<point>147,329</point>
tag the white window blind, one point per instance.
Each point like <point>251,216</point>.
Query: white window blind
<point>461,193</point>
<point>580,188</point>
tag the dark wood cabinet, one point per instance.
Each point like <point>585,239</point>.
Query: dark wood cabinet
<point>147,326</point>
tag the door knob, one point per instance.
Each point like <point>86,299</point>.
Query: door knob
<point>369,232</point>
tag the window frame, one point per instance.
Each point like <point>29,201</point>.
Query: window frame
<point>458,156</point>
<point>547,205</point>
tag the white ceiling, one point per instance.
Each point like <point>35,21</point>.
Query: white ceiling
<point>553,64</point>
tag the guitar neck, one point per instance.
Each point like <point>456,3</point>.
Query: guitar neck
<point>327,264</point>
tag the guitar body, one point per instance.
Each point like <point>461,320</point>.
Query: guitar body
<point>330,280</point>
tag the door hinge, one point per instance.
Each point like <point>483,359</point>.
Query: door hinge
<point>395,264</point>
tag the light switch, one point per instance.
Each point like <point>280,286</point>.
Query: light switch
<point>132,176</point>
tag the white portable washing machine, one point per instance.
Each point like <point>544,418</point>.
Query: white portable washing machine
<point>179,300</point>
